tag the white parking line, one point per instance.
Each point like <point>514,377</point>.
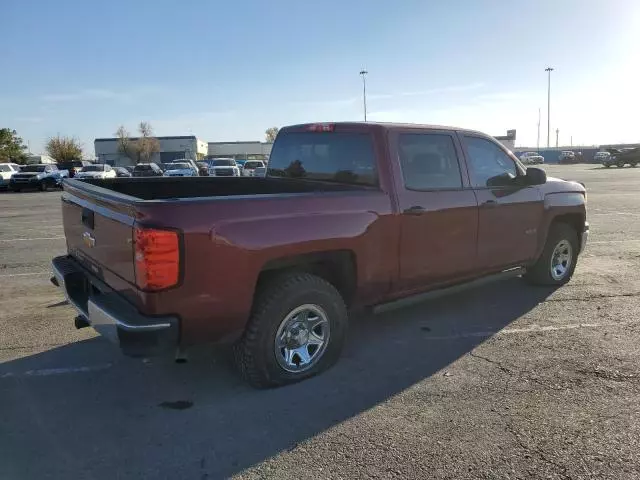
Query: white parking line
<point>24,274</point>
<point>46,372</point>
<point>532,329</point>
<point>30,239</point>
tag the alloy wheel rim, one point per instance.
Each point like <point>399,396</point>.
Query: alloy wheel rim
<point>302,338</point>
<point>561,260</point>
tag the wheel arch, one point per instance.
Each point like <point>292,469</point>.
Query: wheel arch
<point>338,267</point>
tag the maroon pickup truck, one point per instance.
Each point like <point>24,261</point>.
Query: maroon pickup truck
<point>348,215</point>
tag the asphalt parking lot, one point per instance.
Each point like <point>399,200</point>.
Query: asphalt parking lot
<point>504,381</point>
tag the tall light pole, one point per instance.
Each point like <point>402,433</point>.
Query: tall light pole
<point>548,70</point>
<point>364,92</point>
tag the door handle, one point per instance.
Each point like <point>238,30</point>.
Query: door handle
<point>489,204</point>
<point>415,210</point>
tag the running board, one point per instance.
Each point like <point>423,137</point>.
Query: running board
<point>441,292</point>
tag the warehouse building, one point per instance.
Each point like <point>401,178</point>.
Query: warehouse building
<point>171,148</point>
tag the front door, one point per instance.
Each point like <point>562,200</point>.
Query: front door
<point>439,214</point>
<point>510,212</point>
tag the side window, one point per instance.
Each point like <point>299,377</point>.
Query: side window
<point>429,161</point>
<point>487,161</point>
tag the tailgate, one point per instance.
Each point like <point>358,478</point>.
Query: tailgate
<point>99,233</point>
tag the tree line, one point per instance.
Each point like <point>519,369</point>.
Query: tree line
<point>66,148</point>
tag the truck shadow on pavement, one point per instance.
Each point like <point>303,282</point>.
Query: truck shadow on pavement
<point>116,417</point>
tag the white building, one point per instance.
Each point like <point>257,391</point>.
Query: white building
<point>39,159</point>
<point>171,148</point>
<point>240,150</point>
<point>508,140</point>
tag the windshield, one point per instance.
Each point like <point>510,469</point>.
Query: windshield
<point>329,156</point>
<point>94,168</point>
<point>178,166</point>
<point>251,164</point>
<point>223,163</point>
<point>5,168</point>
<point>34,168</point>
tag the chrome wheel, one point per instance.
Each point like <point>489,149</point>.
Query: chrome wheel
<point>561,260</point>
<point>302,338</point>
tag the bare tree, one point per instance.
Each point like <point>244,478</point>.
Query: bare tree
<point>141,149</point>
<point>271,134</point>
<point>147,143</point>
<point>63,149</point>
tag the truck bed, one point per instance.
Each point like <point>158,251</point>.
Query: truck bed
<point>165,188</point>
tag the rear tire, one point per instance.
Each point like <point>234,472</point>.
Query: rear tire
<point>550,269</point>
<point>266,353</point>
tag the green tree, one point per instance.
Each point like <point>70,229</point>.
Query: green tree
<point>64,149</point>
<point>11,147</point>
<point>271,134</point>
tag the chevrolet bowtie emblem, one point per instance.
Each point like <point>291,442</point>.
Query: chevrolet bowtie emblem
<point>88,240</point>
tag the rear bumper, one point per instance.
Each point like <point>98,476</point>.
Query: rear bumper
<point>112,316</point>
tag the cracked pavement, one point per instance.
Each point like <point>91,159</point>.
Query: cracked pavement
<point>504,381</point>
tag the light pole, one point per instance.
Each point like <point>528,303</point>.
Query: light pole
<point>364,92</point>
<point>548,70</point>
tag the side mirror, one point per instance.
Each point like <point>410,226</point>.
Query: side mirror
<point>536,176</point>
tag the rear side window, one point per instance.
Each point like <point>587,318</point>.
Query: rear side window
<point>429,161</point>
<point>339,157</point>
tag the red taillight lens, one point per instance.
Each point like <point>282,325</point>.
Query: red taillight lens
<point>321,127</point>
<point>157,258</point>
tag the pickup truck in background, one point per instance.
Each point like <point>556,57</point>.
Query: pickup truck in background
<point>349,215</point>
<point>40,176</point>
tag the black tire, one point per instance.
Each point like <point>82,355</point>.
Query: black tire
<point>540,272</point>
<point>255,353</point>
<point>620,164</point>
<point>634,164</point>
<point>16,190</point>
<point>606,165</point>
<point>44,186</point>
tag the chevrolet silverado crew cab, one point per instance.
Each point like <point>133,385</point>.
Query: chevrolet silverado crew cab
<point>349,215</point>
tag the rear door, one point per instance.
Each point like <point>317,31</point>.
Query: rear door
<point>99,233</point>
<point>439,212</point>
<point>510,212</point>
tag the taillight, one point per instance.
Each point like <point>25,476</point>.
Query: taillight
<point>157,258</point>
<point>321,127</point>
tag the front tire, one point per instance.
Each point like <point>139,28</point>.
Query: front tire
<point>559,256</point>
<point>296,330</point>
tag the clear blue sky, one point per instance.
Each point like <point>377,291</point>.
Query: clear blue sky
<point>229,70</point>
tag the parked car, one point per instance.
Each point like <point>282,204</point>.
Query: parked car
<point>624,156</point>
<point>603,157</point>
<point>42,177</point>
<point>96,171</point>
<point>147,170</point>
<point>122,172</point>
<point>180,169</point>
<point>531,158</point>
<point>73,166</point>
<point>223,167</point>
<point>6,172</point>
<point>567,157</point>
<point>249,168</point>
<point>350,215</point>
